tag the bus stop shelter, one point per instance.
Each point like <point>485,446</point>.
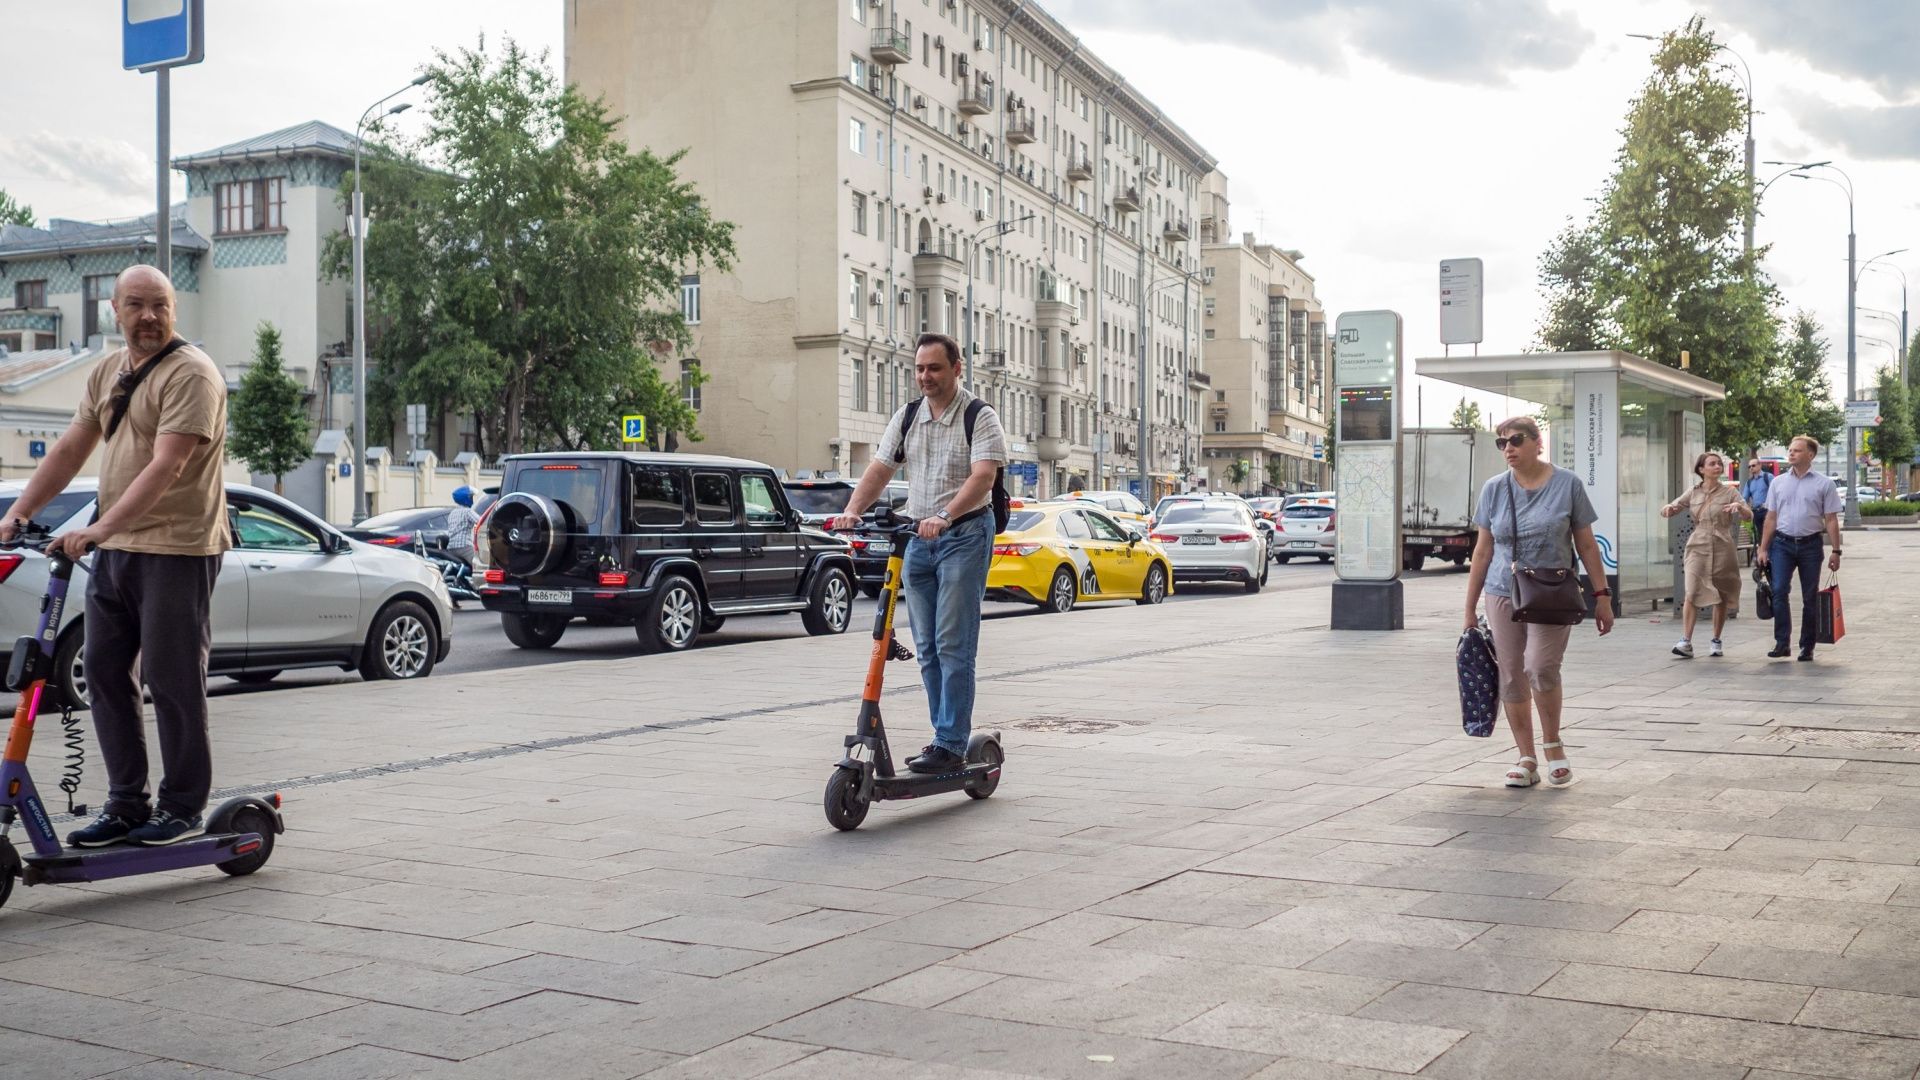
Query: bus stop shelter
<point>1629,427</point>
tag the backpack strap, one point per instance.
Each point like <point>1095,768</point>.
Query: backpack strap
<point>967,418</point>
<point>130,380</point>
<point>906,425</point>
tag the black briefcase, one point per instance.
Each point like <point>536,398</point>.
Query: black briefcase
<point>1763,594</point>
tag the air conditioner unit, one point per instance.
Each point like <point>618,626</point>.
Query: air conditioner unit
<point>960,65</point>
<point>877,83</point>
<point>962,127</point>
<point>906,296</point>
<point>919,102</point>
<point>939,41</point>
<point>878,298</point>
<point>979,44</point>
<point>940,197</point>
<point>926,192</point>
<point>979,215</point>
<point>1133,413</point>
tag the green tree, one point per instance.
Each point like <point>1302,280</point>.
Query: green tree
<point>526,264</point>
<point>1893,440</point>
<point>267,421</point>
<point>1238,472</point>
<point>1276,473</point>
<point>1467,415</point>
<point>1657,269</point>
<point>14,212</point>
<point>1801,384</point>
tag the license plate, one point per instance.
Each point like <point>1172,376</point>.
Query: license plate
<point>549,596</point>
<point>880,548</point>
<point>1305,544</point>
<point>1198,540</point>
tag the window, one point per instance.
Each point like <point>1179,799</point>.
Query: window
<point>859,384</point>
<point>856,296</point>
<point>658,496</point>
<point>30,294</point>
<point>858,10</point>
<point>1073,526</point>
<point>96,308</point>
<point>860,213</point>
<point>264,530</point>
<point>713,498</point>
<point>857,72</point>
<point>1105,529</point>
<point>756,495</point>
<point>857,136</point>
<point>245,206</point>
<point>690,380</point>
<point>690,299</point>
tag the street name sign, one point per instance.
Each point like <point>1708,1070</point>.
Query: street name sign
<point>161,33</point>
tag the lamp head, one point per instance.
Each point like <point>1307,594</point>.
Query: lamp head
<point>398,109</point>
<point>422,79</point>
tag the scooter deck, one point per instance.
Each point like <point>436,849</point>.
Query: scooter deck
<point>910,785</point>
<point>100,864</point>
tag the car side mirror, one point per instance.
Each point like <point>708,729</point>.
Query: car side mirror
<point>794,519</point>
<point>1134,536</point>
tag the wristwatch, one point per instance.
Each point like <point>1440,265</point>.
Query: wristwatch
<point>948,517</point>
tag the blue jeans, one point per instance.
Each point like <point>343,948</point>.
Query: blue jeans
<point>1789,554</point>
<point>945,582</point>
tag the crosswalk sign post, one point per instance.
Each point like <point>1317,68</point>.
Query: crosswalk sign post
<point>157,36</point>
<point>633,429</point>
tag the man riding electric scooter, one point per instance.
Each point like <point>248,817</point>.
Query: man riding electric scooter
<point>954,448</point>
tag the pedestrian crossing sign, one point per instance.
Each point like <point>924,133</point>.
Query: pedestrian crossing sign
<point>633,429</point>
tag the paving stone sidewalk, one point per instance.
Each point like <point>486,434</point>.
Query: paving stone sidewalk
<point>1229,843</point>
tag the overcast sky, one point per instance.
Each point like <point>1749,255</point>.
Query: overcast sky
<point>1377,136</point>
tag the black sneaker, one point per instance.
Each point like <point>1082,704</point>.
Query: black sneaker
<point>106,829</point>
<point>1806,654</point>
<point>935,759</point>
<point>1778,652</point>
<point>164,828</point>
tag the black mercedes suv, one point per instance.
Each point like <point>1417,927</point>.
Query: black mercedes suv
<point>671,544</point>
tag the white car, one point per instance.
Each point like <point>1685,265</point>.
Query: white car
<point>1213,540</point>
<point>1305,530</point>
<point>292,593</point>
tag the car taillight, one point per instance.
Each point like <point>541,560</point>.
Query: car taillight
<point>857,544</point>
<point>616,579</point>
<point>393,541</point>
<point>1235,538</point>
<point>1163,538</point>
<point>495,577</point>
<point>1330,518</point>
<point>1018,550</point>
<point>10,563</point>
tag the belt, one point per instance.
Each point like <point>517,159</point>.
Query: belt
<point>1797,539</point>
<point>970,515</point>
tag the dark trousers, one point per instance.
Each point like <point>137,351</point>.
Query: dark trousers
<point>1792,555</point>
<point>1759,528</point>
<point>151,610</point>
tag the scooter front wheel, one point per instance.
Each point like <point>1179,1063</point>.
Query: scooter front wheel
<point>845,808</point>
<point>249,819</point>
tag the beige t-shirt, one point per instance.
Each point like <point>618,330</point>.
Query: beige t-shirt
<point>185,395</point>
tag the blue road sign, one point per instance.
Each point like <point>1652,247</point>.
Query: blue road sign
<point>37,448</point>
<point>633,429</point>
<point>346,469</point>
<point>161,33</point>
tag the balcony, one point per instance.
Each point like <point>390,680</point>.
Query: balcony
<point>977,101</point>
<point>993,360</point>
<point>1054,379</point>
<point>891,46</point>
<point>1219,410</point>
<point>1127,199</point>
<point>1020,128</point>
<point>1053,448</point>
<point>1080,170</point>
<point>1199,380</point>
<point>1176,229</point>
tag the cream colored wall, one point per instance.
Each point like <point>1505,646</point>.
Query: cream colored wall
<point>309,313</point>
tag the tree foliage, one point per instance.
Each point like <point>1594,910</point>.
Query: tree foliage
<point>1238,472</point>
<point>1467,415</point>
<point>525,265</point>
<point>14,212</point>
<point>1801,385</point>
<point>267,420</point>
<point>1658,268</point>
<point>1893,439</point>
<point>1276,473</point>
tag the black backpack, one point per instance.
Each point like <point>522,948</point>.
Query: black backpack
<point>1002,503</point>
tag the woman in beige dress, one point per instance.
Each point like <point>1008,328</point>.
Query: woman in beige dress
<point>1712,571</point>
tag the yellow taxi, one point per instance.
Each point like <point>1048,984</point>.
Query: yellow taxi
<point>1056,554</point>
<point>1122,506</point>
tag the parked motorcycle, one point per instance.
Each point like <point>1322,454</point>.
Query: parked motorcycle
<point>455,572</point>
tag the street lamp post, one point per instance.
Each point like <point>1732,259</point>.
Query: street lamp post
<point>1184,279</point>
<point>1801,170</point>
<point>1905,341</point>
<point>360,303</point>
<point>998,228</point>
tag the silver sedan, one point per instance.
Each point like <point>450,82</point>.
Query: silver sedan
<point>293,593</point>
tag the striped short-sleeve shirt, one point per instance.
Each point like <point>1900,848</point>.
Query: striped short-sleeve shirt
<point>938,458</point>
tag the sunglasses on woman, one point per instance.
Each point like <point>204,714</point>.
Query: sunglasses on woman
<point>1505,441</point>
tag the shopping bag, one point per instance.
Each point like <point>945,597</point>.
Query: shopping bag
<point>1479,681</point>
<point>1829,625</point>
<point>1762,593</point>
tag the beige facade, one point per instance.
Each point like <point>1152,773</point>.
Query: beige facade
<point>867,152</point>
<point>1269,358</point>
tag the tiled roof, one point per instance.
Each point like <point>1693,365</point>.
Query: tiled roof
<point>20,369</point>
<point>63,236</point>
<point>312,137</point>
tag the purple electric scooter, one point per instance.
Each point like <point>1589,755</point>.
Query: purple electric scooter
<point>240,833</point>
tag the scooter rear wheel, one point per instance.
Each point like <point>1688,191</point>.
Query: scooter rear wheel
<point>980,789</point>
<point>250,819</point>
<point>845,808</point>
<point>9,870</point>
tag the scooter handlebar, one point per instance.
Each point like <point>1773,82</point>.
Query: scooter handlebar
<point>30,535</point>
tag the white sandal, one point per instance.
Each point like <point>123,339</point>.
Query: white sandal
<point>1523,774</point>
<point>1559,772</point>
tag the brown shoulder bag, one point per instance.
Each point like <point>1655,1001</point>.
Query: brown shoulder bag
<point>1542,594</point>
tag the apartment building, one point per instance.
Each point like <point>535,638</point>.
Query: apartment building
<point>900,166</point>
<point>1269,358</point>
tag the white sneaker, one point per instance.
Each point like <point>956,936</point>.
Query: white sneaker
<point>1714,649</point>
<point>1684,650</point>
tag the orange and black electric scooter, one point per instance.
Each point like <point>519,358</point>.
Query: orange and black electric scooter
<point>866,774</point>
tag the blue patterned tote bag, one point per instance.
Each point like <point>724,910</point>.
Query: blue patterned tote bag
<point>1479,681</point>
